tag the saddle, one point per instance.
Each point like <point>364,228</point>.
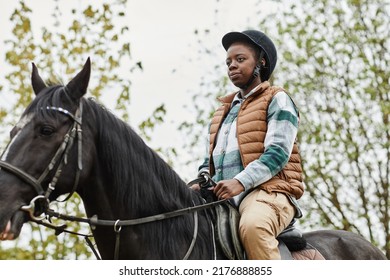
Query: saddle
<point>292,245</point>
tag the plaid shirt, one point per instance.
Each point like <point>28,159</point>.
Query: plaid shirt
<point>282,119</point>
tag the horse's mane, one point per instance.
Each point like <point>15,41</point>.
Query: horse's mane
<point>134,166</point>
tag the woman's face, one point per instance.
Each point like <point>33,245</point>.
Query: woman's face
<point>240,60</point>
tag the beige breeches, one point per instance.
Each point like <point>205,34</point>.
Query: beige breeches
<point>263,216</point>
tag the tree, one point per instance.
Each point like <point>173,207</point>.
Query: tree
<point>334,61</point>
<point>89,33</point>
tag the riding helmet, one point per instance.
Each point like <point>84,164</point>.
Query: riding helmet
<point>260,40</point>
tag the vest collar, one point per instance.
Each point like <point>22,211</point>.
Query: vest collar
<point>228,99</point>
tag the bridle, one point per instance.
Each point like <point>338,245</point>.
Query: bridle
<point>38,208</point>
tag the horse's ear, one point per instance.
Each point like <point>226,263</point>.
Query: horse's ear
<point>37,83</point>
<point>77,87</point>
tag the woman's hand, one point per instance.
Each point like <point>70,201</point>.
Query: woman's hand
<point>226,189</point>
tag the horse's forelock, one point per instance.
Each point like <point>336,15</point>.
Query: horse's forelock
<point>52,96</point>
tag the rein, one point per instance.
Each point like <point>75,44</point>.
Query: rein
<point>117,225</point>
<point>40,203</point>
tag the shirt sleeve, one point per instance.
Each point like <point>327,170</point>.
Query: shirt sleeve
<point>282,119</point>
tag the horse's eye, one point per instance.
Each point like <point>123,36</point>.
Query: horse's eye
<point>47,130</point>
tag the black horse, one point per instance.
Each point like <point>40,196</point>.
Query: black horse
<point>65,143</point>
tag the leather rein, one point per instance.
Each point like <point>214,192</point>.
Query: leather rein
<point>39,210</point>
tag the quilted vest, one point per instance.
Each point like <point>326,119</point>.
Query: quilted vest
<point>251,132</point>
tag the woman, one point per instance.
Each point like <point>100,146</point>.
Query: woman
<point>252,152</point>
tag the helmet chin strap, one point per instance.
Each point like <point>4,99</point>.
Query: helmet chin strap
<point>256,73</point>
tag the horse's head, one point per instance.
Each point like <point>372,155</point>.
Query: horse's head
<point>43,158</point>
